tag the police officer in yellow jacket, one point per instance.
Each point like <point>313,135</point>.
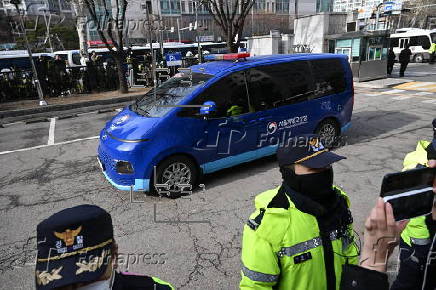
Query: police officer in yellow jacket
<point>417,237</point>
<point>432,52</point>
<point>301,233</point>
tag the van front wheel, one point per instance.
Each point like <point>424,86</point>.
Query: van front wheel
<point>175,176</point>
<point>328,131</point>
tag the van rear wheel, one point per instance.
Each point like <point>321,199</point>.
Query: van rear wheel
<point>328,131</point>
<point>175,177</point>
<point>418,58</point>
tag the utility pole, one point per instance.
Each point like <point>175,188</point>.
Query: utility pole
<point>42,102</point>
<point>296,9</point>
<point>153,59</point>
<point>178,30</point>
<point>196,32</point>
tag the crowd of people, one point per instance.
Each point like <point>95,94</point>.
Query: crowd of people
<point>57,79</point>
<point>299,237</point>
<point>98,74</point>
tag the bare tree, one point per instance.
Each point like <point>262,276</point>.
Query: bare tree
<point>230,16</point>
<point>419,11</point>
<point>109,21</point>
<point>80,11</point>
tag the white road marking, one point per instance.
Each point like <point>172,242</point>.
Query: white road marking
<point>399,98</point>
<point>429,101</point>
<point>423,93</point>
<point>119,110</point>
<point>51,131</point>
<point>43,146</point>
<point>393,92</point>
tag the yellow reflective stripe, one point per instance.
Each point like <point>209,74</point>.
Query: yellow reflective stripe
<point>81,251</point>
<point>310,156</point>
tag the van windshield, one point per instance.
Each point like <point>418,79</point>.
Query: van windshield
<point>433,37</point>
<point>169,94</point>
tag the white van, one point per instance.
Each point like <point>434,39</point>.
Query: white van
<point>418,39</point>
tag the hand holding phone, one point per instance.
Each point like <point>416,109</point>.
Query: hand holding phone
<point>409,192</point>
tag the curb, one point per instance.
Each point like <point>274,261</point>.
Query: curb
<point>50,108</point>
<point>45,117</point>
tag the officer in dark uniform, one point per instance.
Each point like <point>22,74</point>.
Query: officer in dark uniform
<point>77,250</point>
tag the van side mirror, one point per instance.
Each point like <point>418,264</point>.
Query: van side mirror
<point>207,108</point>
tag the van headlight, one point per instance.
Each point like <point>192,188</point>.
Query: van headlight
<point>124,167</point>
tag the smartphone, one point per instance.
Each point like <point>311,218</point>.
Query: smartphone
<point>409,192</point>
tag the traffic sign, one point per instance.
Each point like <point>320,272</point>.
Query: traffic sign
<point>173,59</point>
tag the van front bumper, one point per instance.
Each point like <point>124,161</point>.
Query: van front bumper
<point>140,184</point>
<point>120,181</point>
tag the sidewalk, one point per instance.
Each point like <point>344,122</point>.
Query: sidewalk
<point>32,107</point>
<point>382,83</point>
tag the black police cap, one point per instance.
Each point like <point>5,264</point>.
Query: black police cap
<point>306,150</point>
<point>74,246</point>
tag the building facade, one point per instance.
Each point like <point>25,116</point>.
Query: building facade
<point>175,16</point>
<point>37,7</point>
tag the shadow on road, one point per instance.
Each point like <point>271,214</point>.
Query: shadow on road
<point>368,125</point>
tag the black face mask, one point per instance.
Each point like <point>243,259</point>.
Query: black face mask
<point>317,186</point>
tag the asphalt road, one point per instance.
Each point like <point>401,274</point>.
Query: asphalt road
<point>196,240</point>
<point>422,72</point>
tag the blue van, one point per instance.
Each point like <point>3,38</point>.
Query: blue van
<point>222,113</point>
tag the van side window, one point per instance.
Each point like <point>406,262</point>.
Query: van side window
<point>329,77</point>
<point>278,85</point>
<point>264,89</point>
<point>229,95</point>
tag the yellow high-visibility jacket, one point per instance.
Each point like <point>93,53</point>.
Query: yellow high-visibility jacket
<point>283,249</point>
<point>416,231</point>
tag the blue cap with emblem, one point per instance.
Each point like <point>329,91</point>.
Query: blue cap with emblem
<point>74,246</point>
<point>306,150</point>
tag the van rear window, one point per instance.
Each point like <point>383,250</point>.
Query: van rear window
<point>329,76</point>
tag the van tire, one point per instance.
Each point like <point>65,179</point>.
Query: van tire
<point>178,169</point>
<point>419,58</point>
<point>328,131</point>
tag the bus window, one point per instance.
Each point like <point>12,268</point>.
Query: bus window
<point>394,42</point>
<point>76,58</point>
<point>404,42</point>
